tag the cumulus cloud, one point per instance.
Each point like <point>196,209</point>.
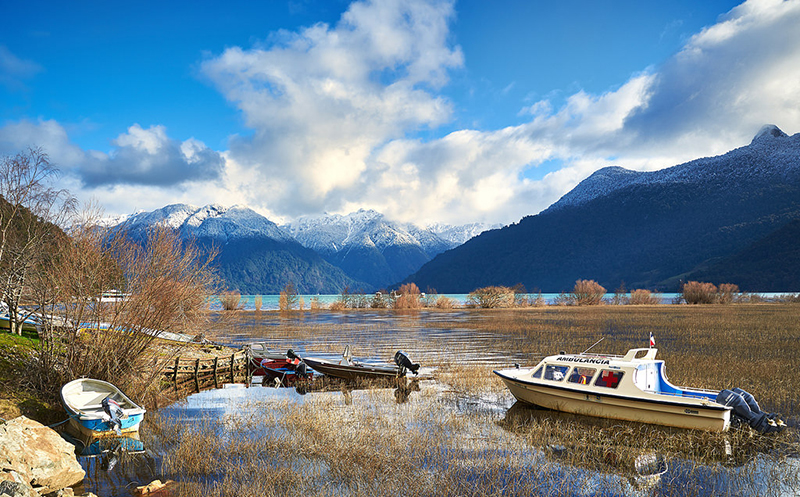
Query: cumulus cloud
<point>712,96</point>
<point>138,157</point>
<point>320,101</point>
<point>333,110</point>
<point>337,114</point>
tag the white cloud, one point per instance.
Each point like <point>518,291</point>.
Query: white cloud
<point>714,95</point>
<point>336,113</point>
<point>138,157</point>
<point>13,70</point>
<point>322,101</point>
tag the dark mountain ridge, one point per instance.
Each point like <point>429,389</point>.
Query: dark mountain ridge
<point>646,229</point>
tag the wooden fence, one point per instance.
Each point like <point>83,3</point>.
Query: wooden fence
<point>201,374</point>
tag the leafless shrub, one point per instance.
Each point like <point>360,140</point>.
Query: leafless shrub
<point>789,298</point>
<point>408,297</point>
<point>315,304</point>
<point>727,293</point>
<point>695,292</point>
<point>258,302</point>
<point>643,297</point>
<point>165,284</point>
<point>230,300</point>
<point>587,292</point>
<point>491,297</point>
<point>359,300</point>
<point>288,298</point>
<point>444,303</point>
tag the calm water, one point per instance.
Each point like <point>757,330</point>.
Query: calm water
<point>423,336</point>
<point>270,302</point>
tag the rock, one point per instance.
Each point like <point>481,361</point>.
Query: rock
<point>155,488</point>
<point>14,485</point>
<point>39,455</point>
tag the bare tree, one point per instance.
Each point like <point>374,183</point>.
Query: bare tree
<point>162,287</point>
<point>30,212</point>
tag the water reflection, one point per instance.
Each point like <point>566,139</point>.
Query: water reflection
<point>661,460</point>
<point>113,464</point>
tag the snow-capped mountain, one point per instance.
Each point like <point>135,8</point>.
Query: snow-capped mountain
<point>214,222</point>
<point>372,248</point>
<point>255,256</point>
<point>459,234</point>
<point>771,156</point>
<point>362,250</point>
<point>331,233</point>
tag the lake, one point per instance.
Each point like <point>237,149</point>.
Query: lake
<point>458,432</point>
<point>271,302</point>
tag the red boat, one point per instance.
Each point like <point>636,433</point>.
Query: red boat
<point>284,372</point>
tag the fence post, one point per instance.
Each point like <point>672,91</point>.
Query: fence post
<point>232,358</point>
<point>196,377</point>
<point>216,385</point>
<point>175,376</point>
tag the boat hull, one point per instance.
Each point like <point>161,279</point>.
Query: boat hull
<point>97,428</point>
<point>686,413</point>
<point>352,372</point>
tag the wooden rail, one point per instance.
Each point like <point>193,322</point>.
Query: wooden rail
<point>201,374</point>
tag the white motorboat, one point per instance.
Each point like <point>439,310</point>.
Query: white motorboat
<point>632,387</point>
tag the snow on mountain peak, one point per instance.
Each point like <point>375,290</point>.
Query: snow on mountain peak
<point>214,221</point>
<point>772,153</point>
<point>769,131</point>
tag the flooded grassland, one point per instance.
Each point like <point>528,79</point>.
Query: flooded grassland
<point>458,431</point>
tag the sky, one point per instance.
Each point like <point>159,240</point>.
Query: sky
<point>424,110</point>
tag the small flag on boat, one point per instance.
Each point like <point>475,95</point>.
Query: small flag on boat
<point>652,340</point>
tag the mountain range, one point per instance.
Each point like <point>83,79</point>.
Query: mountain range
<point>320,254</point>
<point>373,249</point>
<point>732,218</point>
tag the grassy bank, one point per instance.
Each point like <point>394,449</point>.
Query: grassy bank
<point>17,396</point>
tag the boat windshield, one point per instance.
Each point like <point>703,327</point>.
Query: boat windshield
<point>537,373</point>
<point>609,379</point>
<point>555,373</point>
<point>581,375</point>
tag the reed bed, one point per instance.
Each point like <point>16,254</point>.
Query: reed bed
<point>460,435</point>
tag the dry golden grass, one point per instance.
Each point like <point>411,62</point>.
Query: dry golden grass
<point>457,437</point>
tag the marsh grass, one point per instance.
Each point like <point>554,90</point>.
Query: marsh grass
<point>433,446</point>
<point>457,435</point>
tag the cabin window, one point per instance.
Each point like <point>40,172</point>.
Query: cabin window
<point>608,379</point>
<point>555,373</point>
<point>537,373</point>
<point>581,375</point>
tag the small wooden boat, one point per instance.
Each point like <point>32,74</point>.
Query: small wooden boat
<point>633,387</point>
<point>284,372</point>
<point>84,400</point>
<point>349,369</point>
<point>259,352</point>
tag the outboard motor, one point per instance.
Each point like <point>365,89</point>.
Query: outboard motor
<point>746,407</point>
<point>115,413</point>
<point>403,362</point>
<point>301,370</point>
<point>291,355</point>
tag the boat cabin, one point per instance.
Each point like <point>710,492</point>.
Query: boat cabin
<point>638,368</point>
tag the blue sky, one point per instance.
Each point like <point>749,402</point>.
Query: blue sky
<point>424,110</point>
